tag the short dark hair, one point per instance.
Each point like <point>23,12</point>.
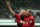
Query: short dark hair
<point>30,11</point>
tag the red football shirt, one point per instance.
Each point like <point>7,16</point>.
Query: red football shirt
<point>17,18</point>
<point>27,23</point>
<point>32,22</point>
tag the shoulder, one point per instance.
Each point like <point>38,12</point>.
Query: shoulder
<point>16,15</point>
<point>31,17</point>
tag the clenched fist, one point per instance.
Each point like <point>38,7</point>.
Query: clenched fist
<point>8,4</point>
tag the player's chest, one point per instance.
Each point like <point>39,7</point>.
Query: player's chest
<point>26,20</point>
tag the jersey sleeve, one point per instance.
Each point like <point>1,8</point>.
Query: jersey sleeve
<point>26,25</point>
<point>33,23</point>
<point>16,15</point>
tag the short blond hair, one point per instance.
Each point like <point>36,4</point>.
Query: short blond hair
<point>22,11</point>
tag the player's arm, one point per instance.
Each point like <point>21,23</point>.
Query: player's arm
<point>10,9</point>
<point>33,23</point>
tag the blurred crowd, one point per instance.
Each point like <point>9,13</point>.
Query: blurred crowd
<point>17,5</point>
<point>7,15</point>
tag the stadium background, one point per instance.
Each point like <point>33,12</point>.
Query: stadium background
<point>17,5</point>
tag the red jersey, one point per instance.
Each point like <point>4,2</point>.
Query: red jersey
<point>17,18</point>
<point>19,13</point>
<point>32,22</point>
<point>25,20</point>
<point>27,23</point>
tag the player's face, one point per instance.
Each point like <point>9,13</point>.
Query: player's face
<point>22,11</point>
<point>27,12</point>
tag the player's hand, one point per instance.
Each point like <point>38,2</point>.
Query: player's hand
<point>8,4</point>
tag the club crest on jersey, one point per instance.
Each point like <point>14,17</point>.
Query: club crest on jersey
<point>30,21</point>
<point>25,18</point>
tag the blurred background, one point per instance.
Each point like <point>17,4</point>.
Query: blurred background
<point>17,5</point>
